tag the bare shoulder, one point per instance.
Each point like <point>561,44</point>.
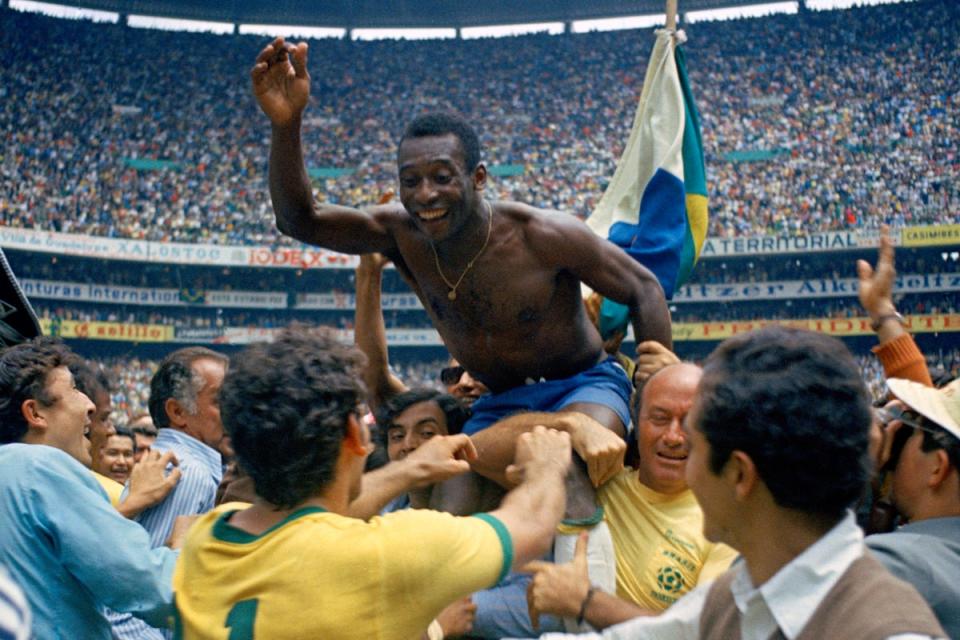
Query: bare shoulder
<point>540,224</point>
<point>391,215</point>
<point>555,237</point>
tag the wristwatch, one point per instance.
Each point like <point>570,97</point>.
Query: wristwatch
<point>876,324</point>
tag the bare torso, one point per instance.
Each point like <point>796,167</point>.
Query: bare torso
<point>515,316</point>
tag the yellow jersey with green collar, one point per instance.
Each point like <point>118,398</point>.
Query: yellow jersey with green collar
<point>317,574</point>
<point>659,543</point>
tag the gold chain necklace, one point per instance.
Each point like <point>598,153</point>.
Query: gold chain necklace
<point>452,295</point>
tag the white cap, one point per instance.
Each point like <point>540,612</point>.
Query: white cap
<point>941,406</point>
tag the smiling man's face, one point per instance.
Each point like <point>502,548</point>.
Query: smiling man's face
<point>663,449</point>
<point>67,418</point>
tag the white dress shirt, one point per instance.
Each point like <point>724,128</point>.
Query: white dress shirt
<point>785,602</point>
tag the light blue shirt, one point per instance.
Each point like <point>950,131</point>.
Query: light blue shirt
<point>70,551</point>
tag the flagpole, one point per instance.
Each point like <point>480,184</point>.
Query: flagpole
<point>671,14</point>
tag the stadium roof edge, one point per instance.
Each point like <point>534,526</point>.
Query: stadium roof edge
<point>393,13</point>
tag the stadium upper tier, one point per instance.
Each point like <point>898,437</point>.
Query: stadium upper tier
<point>822,121</point>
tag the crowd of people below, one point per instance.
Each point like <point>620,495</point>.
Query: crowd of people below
<point>858,117</point>
<point>247,473</point>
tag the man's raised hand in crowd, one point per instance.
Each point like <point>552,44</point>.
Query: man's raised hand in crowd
<point>875,289</point>
<point>651,357</point>
<point>281,82</point>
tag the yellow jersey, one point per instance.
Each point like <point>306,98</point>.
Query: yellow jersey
<point>317,574</point>
<point>113,488</point>
<point>659,543</point>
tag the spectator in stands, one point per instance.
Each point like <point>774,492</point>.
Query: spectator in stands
<point>300,394</point>
<point>47,547</point>
<point>923,449</point>
<point>763,468</point>
<point>654,519</point>
<point>117,456</point>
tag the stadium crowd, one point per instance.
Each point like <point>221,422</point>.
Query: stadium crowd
<point>857,119</point>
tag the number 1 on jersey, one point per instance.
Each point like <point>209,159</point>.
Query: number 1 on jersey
<point>240,619</point>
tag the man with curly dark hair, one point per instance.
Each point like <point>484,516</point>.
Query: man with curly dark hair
<point>295,564</point>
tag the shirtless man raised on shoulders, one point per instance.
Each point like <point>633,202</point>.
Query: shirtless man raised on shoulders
<point>499,280</point>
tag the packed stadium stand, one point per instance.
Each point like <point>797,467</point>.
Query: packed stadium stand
<point>134,204</point>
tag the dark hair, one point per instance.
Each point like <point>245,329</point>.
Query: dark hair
<point>441,124</point>
<point>23,376</point>
<point>176,379</point>
<point>285,406</point>
<point>127,433</point>
<point>456,413</point>
<point>90,378</point>
<point>795,402</point>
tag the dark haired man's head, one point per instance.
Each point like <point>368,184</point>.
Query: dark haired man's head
<point>444,123</point>
<point>286,406</point>
<point>39,402</point>
<point>407,420</point>
<point>94,382</point>
<point>116,457</point>
<point>184,395</point>
<point>794,402</point>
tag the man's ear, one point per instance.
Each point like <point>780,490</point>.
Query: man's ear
<point>480,177</point>
<point>742,474</point>
<point>30,409</point>
<point>175,412</point>
<point>353,440</point>
<point>940,469</point>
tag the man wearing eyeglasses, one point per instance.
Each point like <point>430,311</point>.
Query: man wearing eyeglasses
<point>923,451</point>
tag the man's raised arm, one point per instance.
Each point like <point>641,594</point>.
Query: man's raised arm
<point>281,85</point>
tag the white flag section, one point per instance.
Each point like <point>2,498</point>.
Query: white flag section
<point>655,207</point>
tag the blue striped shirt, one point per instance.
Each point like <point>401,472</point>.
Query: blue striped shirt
<point>14,611</point>
<point>201,472</point>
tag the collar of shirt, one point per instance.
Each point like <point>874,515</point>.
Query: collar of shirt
<point>788,599</point>
<point>206,455</point>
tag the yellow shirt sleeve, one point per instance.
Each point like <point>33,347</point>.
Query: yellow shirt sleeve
<point>113,488</point>
<point>717,561</point>
<point>456,556</point>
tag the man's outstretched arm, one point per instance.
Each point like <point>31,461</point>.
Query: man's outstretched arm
<point>281,85</point>
<point>600,447</point>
